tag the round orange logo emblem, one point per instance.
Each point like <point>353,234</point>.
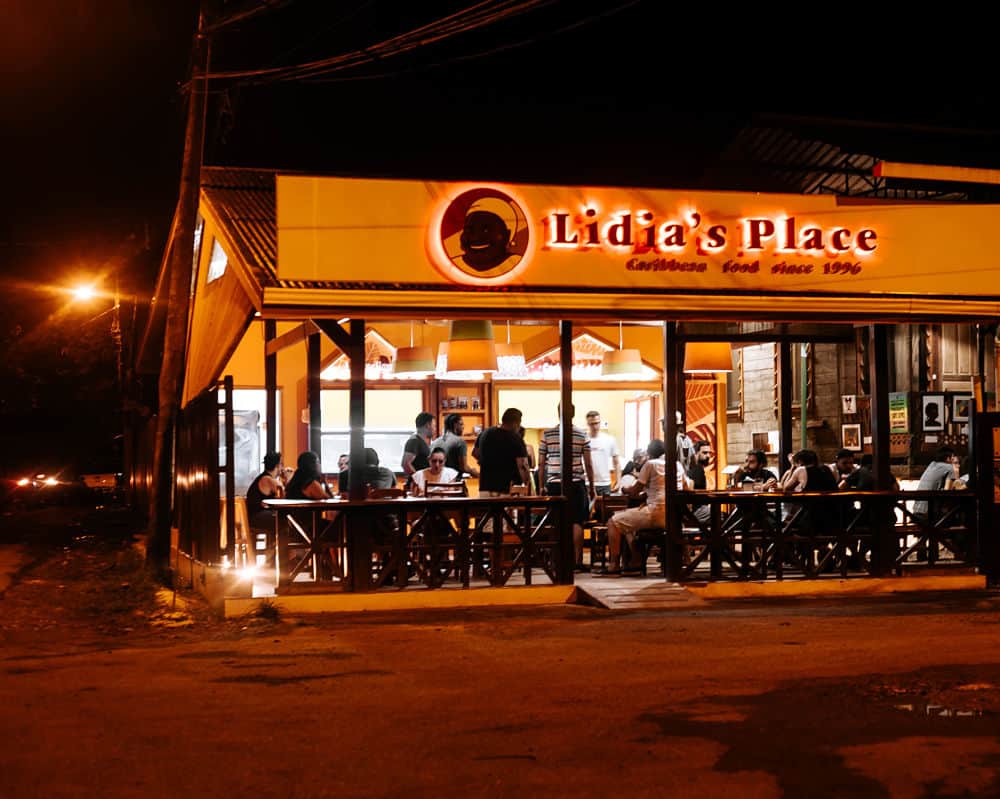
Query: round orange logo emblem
<point>484,233</point>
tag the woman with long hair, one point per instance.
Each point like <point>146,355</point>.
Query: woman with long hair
<point>307,482</point>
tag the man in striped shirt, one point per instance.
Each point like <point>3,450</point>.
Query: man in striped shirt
<point>550,472</point>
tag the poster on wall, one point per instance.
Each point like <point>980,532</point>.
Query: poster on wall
<point>899,412</point>
<point>932,413</point>
<point>960,404</point>
<point>851,437</point>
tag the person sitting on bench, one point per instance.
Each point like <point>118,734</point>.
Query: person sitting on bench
<point>626,523</point>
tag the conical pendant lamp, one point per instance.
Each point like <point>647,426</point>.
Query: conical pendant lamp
<point>621,364</point>
<point>707,357</point>
<point>413,361</point>
<point>510,358</point>
<point>471,347</point>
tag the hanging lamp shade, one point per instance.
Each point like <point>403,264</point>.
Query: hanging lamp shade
<point>413,362</point>
<point>707,357</point>
<point>471,347</point>
<point>621,364</point>
<point>510,361</point>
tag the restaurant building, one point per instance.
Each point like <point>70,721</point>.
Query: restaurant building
<point>317,302</point>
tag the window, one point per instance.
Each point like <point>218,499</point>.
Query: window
<point>798,352</point>
<point>217,265</point>
<point>249,434</point>
<point>199,229</point>
<point>958,356</point>
<point>734,387</point>
<point>389,418</point>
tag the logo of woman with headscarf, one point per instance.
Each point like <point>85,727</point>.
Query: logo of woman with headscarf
<point>484,233</point>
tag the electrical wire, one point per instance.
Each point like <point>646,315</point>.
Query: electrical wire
<point>241,16</point>
<point>471,18</point>
<point>479,54</point>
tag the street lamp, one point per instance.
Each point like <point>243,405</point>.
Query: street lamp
<point>86,292</point>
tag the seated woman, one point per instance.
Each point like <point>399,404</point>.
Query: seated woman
<point>307,482</point>
<point>626,523</point>
<point>437,472</point>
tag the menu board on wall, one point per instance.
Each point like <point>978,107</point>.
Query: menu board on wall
<point>899,412</point>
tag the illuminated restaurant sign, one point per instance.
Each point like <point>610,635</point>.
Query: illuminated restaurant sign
<point>423,234</point>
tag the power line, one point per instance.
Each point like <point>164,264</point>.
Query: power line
<point>472,18</point>
<point>263,6</point>
<point>481,53</point>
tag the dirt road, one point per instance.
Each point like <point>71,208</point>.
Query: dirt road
<point>883,697</point>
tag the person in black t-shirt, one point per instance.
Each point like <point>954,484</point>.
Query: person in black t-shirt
<point>696,473</point>
<point>754,470</point>
<point>266,485</point>
<point>417,451</point>
<point>502,456</point>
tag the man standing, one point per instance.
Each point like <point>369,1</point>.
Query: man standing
<point>454,446</point>
<point>416,452</point>
<point>503,460</point>
<point>550,470</point>
<point>603,454</point>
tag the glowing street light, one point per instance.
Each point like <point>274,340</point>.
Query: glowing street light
<point>86,292</point>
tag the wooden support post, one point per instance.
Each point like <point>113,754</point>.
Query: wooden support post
<point>566,547</point>
<point>885,541</point>
<point>230,445</point>
<point>271,386</point>
<point>673,401</point>
<point>357,407</point>
<point>313,394</point>
<point>984,428</point>
<point>785,446</point>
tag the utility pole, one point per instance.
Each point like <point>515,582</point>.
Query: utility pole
<point>180,268</point>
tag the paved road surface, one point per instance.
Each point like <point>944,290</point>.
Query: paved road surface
<point>12,556</point>
<point>885,697</point>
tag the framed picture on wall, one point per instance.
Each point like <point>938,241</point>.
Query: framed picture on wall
<point>851,437</point>
<point>960,407</point>
<point>932,412</point>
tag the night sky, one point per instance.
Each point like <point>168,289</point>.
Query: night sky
<point>642,93</point>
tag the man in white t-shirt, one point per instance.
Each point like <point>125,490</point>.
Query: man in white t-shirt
<point>626,523</point>
<point>437,472</point>
<point>603,455</point>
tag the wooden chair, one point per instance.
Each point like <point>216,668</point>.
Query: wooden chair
<point>605,506</point>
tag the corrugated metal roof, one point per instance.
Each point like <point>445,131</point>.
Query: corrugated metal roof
<point>791,158</point>
<point>244,201</point>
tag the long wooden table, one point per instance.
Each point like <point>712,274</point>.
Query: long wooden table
<point>364,545</point>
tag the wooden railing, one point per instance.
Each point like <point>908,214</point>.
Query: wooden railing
<point>759,535</point>
<point>430,541</point>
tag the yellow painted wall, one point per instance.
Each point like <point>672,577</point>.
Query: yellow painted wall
<point>247,368</point>
<point>538,406</point>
